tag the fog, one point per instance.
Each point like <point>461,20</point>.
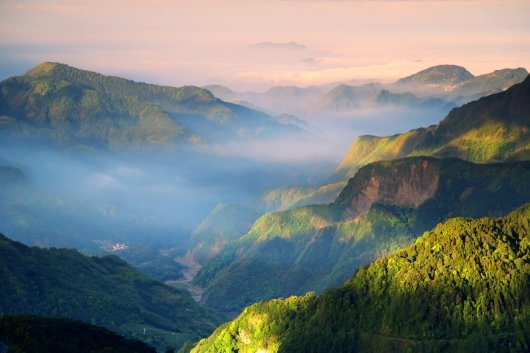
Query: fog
<point>154,197</point>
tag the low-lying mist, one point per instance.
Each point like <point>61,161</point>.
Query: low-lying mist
<point>155,197</point>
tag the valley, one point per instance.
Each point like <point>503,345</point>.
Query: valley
<point>223,203</point>
<point>188,274</point>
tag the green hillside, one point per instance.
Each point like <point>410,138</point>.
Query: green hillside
<point>224,223</point>
<point>493,128</point>
<point>283,198</point>
<point>102,291</point>
<point>384,207</point>
<point>32,334</point>
<point>76,107</point>
<point>461,287</point>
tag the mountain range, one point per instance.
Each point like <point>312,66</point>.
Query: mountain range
<point>461,287</point>
<point>76,107</point>
<point>314,247</point>
<point>439,87</point>
<point>493,128</point>
<point>384,207</point>
<point>103,291</point>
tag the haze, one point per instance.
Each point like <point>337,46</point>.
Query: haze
<point>257,44</point>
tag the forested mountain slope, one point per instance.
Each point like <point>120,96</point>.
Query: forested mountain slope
<point>462,287</point>
<point>493,128</point>
<point>384,207</point>
<point>103,291</point>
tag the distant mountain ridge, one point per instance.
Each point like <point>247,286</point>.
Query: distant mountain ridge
<point>73,106</point>
<point>438,87</point>
<point>436,75</point>
<point>493,128</point>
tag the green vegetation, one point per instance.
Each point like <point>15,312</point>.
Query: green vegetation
<point>261,327</point>
<point>492,129</point>
<point>102,291</point>
<point>82,108</point>
<point>382,209</point>
<point>223,224</point>
<point>461,287</point>
<point>283,198</point>
<point>32,334</point>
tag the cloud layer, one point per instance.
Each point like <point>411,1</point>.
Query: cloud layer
<point>191,42</point>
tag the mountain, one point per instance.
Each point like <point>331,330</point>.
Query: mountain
<point>440,87</point>
<point>340,98</point>
<point>286,197</point>
<point>493,128</point>
<point>103,291</point>
<point>224,223</point>
<point>456,84</point>
<point>223,92</point>
<point>438,75</point>
<point>386,98</point>
<point>76,107</point>
<point>461,287</point>
<point>34,334</point>
<point>384,207</point>
<point>276,100</point>
<point>483,85</point>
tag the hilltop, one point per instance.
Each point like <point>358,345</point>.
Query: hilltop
<point>70,106</point>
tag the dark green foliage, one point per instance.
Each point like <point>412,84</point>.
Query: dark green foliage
<point>462,287</point>
<point>382,209</point>
<point>32,334</point>
<point>104,291</point>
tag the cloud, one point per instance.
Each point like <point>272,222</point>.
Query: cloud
<point>273,45</point>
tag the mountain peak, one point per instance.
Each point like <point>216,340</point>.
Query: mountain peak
<point>440,74</point>
<point>44,68</point>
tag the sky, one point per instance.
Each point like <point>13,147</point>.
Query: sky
<point>255,44</point>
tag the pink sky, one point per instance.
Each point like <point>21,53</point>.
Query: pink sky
<point>203,42</point>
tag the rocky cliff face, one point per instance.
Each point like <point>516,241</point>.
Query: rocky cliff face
<point>407,183</point>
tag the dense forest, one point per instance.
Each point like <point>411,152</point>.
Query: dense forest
<point>384,207</point>
<point>461,287</point>
<point>102,291</point>
<point>33,334</point>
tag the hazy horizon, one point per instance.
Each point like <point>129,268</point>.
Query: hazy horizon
<point>253,45</point>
